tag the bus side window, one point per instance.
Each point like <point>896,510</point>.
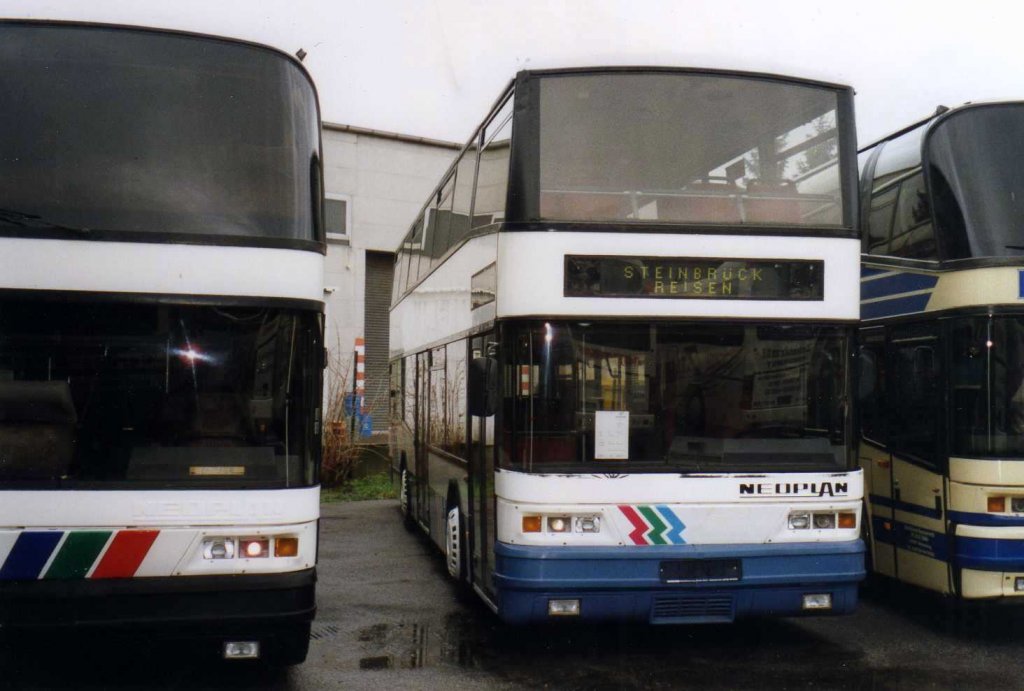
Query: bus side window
<point>914,411</point>
<point>871,392</point>
<point>913,234</point>
<point>883,206</point>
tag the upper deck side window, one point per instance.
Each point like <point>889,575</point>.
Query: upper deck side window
<point>130,134</point>
<point>688,148</point>
<point>899,216</point>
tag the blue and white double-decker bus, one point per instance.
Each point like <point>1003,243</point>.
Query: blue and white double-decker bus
<point>161,347</point>
<point>621,334</point>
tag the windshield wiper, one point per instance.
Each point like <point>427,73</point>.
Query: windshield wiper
<point>26,220</point>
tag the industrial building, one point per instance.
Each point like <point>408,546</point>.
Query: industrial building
<point>375,183</point>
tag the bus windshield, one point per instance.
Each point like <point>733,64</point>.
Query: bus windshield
<point>104,394</point>
<point>107,130</point>
<point>695,397</point>
<point>689,148</point>
<point>975,179</point>
<point>988,386</point>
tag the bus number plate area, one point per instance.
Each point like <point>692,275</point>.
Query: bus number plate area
<point>700,570</point>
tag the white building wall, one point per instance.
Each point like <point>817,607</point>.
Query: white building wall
<point>385,179</point>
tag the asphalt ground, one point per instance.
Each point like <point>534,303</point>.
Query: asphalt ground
<point>390,619</point>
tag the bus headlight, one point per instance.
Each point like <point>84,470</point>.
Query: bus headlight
<point>799,521</point>
<point>1017,504</point>
<point>219,548</point>
<point>559,524</point>
<point>254,547</point>
<point>588,524</point>
<point>824,521</point>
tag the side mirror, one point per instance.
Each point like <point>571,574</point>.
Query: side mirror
<point>483,387</point>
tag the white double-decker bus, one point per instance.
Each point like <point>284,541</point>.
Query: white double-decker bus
<point>621,334</point>
<point>161,302</point>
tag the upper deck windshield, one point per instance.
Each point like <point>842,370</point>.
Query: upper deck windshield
<point>690,148</point>
<point>647,397</point>
<point>106,130</point>
<point>109,394</point>
<point>976,174</point>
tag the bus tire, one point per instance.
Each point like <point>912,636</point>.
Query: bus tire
<point>454,537</point>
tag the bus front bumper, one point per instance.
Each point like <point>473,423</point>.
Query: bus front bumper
<point>180,603</point>
<point>627,583</point>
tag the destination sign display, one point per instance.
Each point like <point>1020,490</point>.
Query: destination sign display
<point>698,278</point>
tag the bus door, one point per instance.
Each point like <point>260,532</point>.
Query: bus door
<point>918,485</point>
<point>422,503</point>
<point>873,453</point>
<point>481,480</point>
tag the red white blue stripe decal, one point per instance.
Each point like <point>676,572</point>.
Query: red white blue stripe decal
<point>654,525</point>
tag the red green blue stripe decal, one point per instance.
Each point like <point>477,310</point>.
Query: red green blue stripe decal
<point>654,525</point>
<point>56,554</point>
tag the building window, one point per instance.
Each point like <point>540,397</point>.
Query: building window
<point>337,216</point>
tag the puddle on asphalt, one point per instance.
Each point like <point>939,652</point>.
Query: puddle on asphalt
<point>378,662</point>
<point>762,654</point>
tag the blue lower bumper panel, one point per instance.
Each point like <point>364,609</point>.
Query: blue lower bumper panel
<point>626,583</point>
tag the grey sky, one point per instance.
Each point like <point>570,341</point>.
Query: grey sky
<point>432,68</point>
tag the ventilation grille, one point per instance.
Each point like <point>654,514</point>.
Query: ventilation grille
<point>692,608</point>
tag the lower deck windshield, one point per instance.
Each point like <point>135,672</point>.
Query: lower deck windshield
<point>108,394</point>
<point>987,382</point>
<point>688,397</point>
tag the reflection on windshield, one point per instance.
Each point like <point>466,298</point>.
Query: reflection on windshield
<point>688,148</point>
<point>155,395</point>
<point>695,397</point>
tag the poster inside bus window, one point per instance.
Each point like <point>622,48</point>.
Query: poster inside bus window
<point>700,278</point>
<point>611,435</point>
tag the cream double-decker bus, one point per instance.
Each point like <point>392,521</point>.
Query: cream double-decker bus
<point>942,353</point>
<point>621,335</point>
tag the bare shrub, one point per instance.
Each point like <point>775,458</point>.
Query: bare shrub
<point>340,450</point>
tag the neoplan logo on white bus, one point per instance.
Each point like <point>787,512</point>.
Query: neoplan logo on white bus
<point>794,489</point>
